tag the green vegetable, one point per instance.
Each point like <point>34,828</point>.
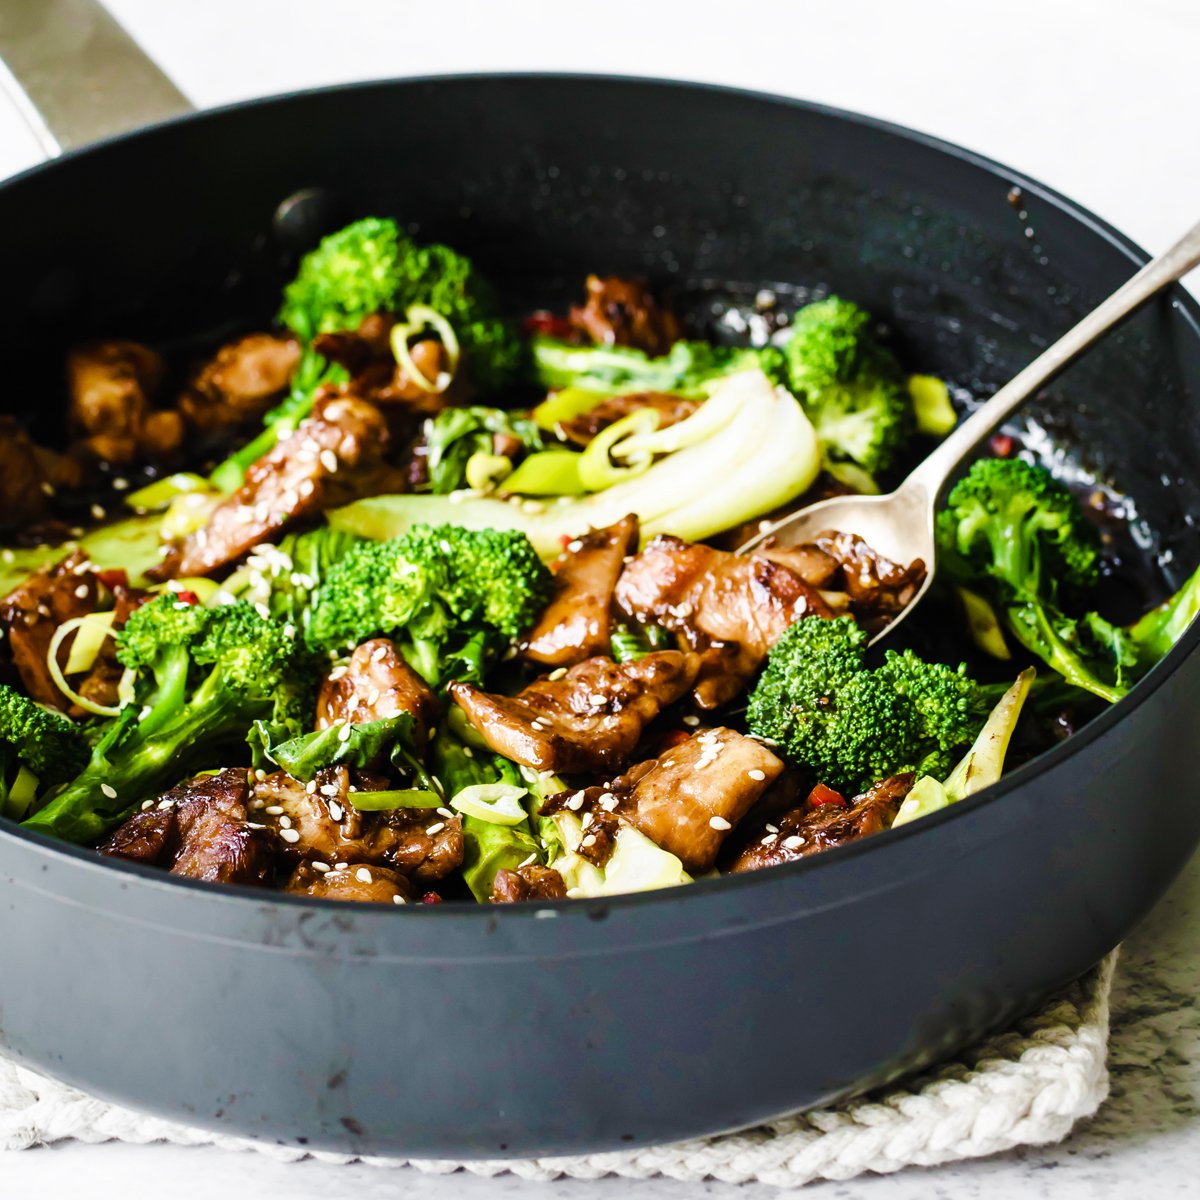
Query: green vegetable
<point>689,368</point>
<point>931,405</point>
<point>488,847</point>
<point>159,494</point>
<point>455,598</point>
<point>637,864</point>
<point>565,405</point>
<point>983,764</point>
<point>631,642</point>
<point>389,801</point>
<point>499,803</point>
<point>597,470</point>
<point>1015,535</point>
<point>764,457</point>
<point>547,473</point>
<point>38,748</point>
<point>852,388</point>
<point>848,726</point>
<point>484,472</point>
<point>203,676</point>
<point>456,435</point>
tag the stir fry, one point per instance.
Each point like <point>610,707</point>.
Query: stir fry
<point>405,601</point>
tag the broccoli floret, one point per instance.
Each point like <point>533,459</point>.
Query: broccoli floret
<point>202,677</point>
<point>852,388</point>
<point>38,749</point>
<point>849,726</point>
<point>685,369</point>
<point>456,597</point>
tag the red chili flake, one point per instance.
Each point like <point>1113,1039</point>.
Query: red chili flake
<point>548,323</point>
<point>186,598</point>
<point>1002,445</point>
<point>431,898</point>
<point>822,795</point>
<point>113,578</point>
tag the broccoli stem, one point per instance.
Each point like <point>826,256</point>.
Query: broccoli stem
<point>1030,624</point>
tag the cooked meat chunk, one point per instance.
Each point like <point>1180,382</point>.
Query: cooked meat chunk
<point>533,882</point>
<point>878,588</point>
<point>376,683</point>
<point>111,385</point>
<point>811,829</point>
<point>714,598</point>
<point>31,613</point>
<point>624,312</point>
<point>239,383</point>
<point>575,624</point>
<point>200,829</point>
<point>599,809</point>
<point>101,682</point>
<point>590,719</point>
<point>690,798</point>
<point>366,885</point>
<point>29,476</point>
<point>423,844</point>
<point>671,410</point>
<point>369,345</point>
<point>332,457</point>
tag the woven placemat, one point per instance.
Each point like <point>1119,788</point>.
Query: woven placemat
<point>1025,1087</point>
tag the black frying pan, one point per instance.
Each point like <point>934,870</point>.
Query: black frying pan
<point>468,1031</point>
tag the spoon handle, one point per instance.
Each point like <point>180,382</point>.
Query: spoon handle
<point>1168,267</point>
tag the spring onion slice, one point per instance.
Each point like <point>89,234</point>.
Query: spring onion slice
<point>495,803</point>
<point>56,672</point>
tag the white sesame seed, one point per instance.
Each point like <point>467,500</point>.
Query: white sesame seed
<point>373,697</point>
<point>719,823</point>
<point>289,835</point>
<point>557,673</point>
<point>120,483</point>
<point>344,733</point>
<point>588,841</point>
<point>47,487</point>
<point>691,719</point>
<point>398,899</point>
<point>285,822</point>
<point>254,825</point>
<point>163,805</point>
<point>147,804</point>
<point>311,787</point>
<point>772,828</point>
<point>320,866</point>
<point>770,839</point>
<point>99,512</point>
<point>599,699</point>
<point>81,591</point>
<point>436,827</point>
<point>329,461</point>
<point>275,810</point>
<point>336,811</point>
<point>757,775</point>
<point>328,789</point>
<point>363,875</point>
<point>793,842</point>
<point>341,866</point>
<point>109,790</point>
<point>588,818</point>
<point>445,812</point>
<point>257,804</point>
<point>575,803</point>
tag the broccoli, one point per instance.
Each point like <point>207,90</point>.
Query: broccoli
<point>38,748</point>
<point>685,369</point>
<point>455,435</point>
<point>1017,535</point>
<point>202,677</point>
<point>849,726</point>
<point>457,596</point>
<point>852,388</point>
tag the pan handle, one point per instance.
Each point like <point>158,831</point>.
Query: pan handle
<point>76,75</point>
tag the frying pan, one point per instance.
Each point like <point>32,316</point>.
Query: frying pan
<point>464,1031</point>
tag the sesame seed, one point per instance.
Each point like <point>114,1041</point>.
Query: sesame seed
<point>289,835</point>
<point>536,724</point>
<point>328,789</point>
<point>109,790</point>
<point>793,842</point>
<point>147,804</point>
<point>557,673</point>
<point>436,827</point>
<point>311,787</point>
<point>47,487</point>
<point>320,866</point>
<point>757,775</point>
<point>575,803</point>
<point>770,839</point>
<point>445,812</point>
<point>254,825</point>
<point>163,805</point>
<point>398,899</point>
<point>336,811</point>
<point>81,591</point>
<point>588,841</point>
<point>344,733</point>
<point>691,719</point>
<point>772,828</point>
<point>599,699</point>
<point>380,654</point>
<point>588,818</point>
<point>275,810</point>
<point>719,823</point>
<point>257,805</point>
<point>8,556</point>
<point>285,822</point>
<point>372,697</point>
<point>329,461</point>
<point>363,875</point>
<point>120,483</point>
<point>342,866</point>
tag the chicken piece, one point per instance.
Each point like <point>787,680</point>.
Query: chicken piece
<point>624,312</point>
<point>533,882</point>
<point>878,588</point>
<point>331,458</point>
<point>111,385</point>
<point>714,598</point>
<point>376,683</point>
<point>575,624</point>
<point>201,829</point>
<point>236,387</point>
<point>590,719</point>
<point>671,410</point>
<point>809,830</point>
<point>691,797</point>
<point>32,612</point>
<point>366,885</point>
<point>324,826</point>
<point>29,476</point>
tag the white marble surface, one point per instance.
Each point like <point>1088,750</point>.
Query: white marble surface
<point>1099,98</point>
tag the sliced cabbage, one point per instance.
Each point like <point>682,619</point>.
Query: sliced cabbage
<point>636,865</point>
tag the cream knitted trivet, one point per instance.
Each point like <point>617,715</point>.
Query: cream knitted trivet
<point>1027,1086</point>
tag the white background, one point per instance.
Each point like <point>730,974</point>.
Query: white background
<point>1098,98</point>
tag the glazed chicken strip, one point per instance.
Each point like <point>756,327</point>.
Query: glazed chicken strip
<point>624,312</point>
<point>376,683</point>
<point>590,719</point>
<point>324,826</point>
<point>201,829</point>
<point>239,383</point>
<point>32,613</point>
<point>809,830</point>
<point>576,624</point>
<point>366,885</point>
<point>110,385</point>
<point>731,607</point>
<point>533,882</point>
<point>332,457</point>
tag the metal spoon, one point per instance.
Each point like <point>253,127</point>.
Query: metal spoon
<point>900,524</point>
